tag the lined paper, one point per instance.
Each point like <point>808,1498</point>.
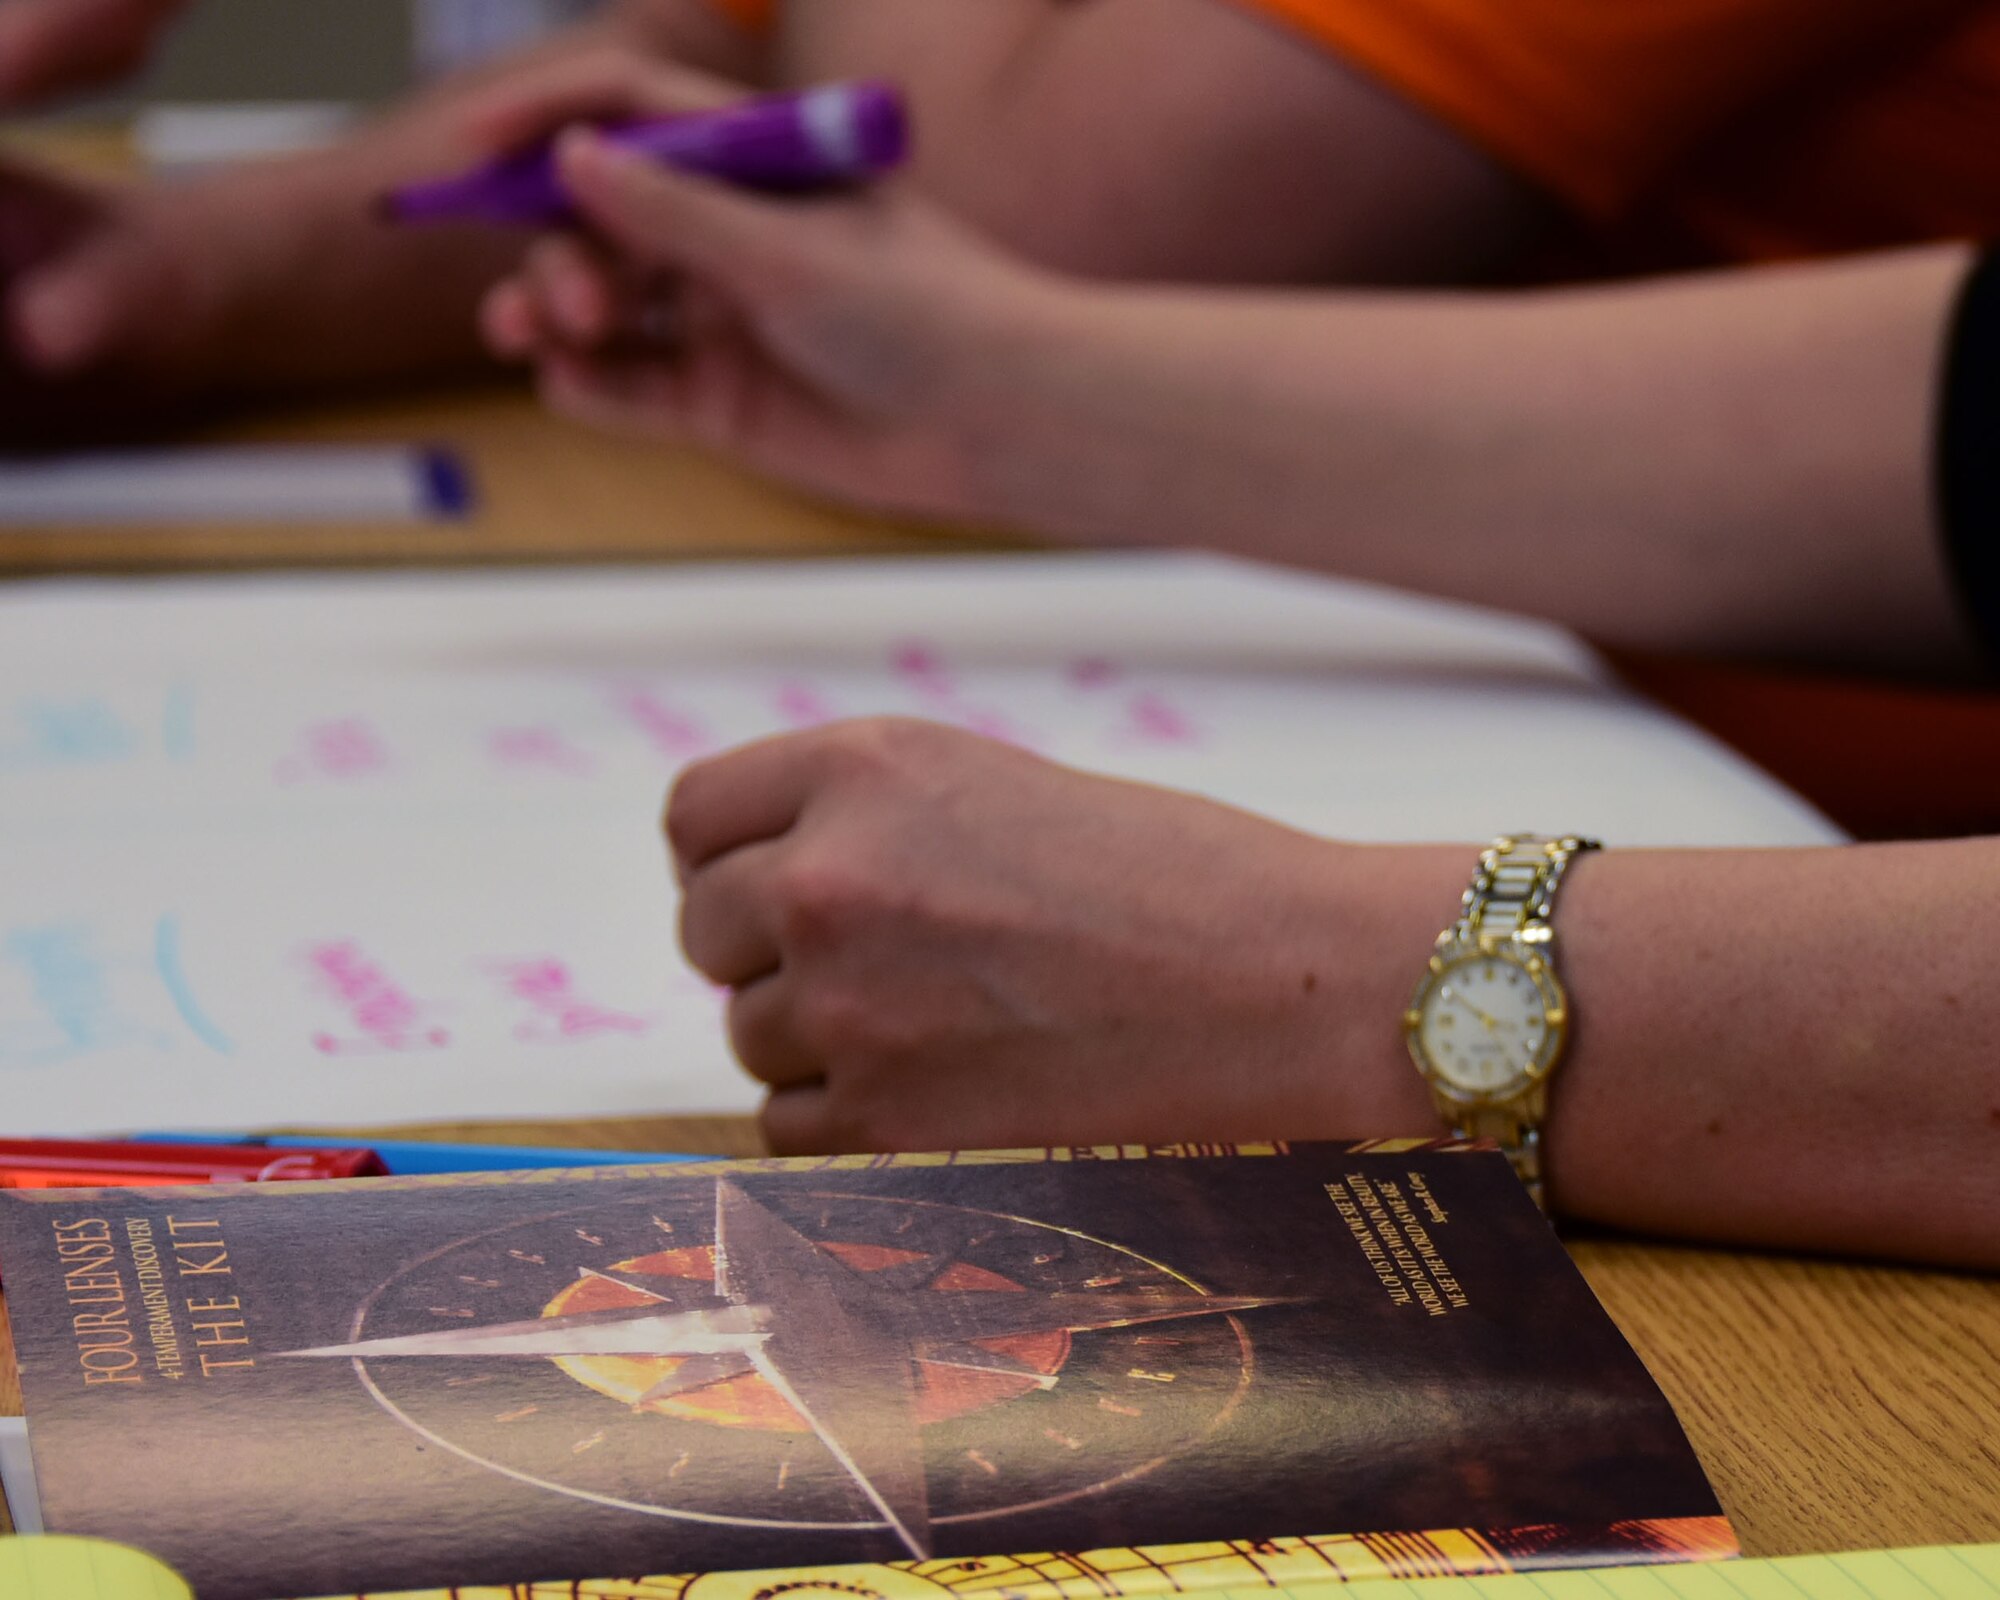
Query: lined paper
<point>1954,1572</point>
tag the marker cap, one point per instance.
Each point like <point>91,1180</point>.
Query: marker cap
<point>93,1164</point>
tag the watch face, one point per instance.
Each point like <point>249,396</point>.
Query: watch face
<point>1487,1023</point>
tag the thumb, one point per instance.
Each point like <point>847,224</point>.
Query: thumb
<point>663,218</point>
<point>77,309</point>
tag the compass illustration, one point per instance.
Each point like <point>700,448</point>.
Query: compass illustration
<point>781,1357</point>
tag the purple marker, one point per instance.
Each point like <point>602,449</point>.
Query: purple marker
<point>785,142</point>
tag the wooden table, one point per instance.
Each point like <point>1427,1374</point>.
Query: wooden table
<point>545,490</point>
<point>1835,1406</point>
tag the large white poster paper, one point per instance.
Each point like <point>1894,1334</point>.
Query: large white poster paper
<point>370,849</point>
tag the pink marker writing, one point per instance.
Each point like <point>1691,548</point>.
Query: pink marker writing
<point>1157,720</point>
<point>538,750</point>
<point>557,1013</point>
<point>923,668</point>
<point>343,749</point>
<point>803,706</point>
<point>674,733</point>
<point>383,1014</point>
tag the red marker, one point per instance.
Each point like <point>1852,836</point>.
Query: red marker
<point>93,1164</point>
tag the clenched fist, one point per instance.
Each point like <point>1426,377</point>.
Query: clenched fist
<point>938,941</point>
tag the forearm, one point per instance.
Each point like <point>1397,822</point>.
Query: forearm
<point>1171,140</point>
<point>1738,464</point>
<point>300,281</point>
<point>299,284</point>
<point>1784,1048</point>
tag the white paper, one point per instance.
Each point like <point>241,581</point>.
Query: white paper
<point>17,1476</point>
<point>233,483</point>
<point>379,849</point>
<point>174,136</point>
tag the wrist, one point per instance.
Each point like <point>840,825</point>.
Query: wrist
<point>294,283</point>
<point>217,250</point>
<point>1035,386</point>
<point>1391,902</point>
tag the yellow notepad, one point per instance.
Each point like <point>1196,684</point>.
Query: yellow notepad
<point>55,1568</point>
<point>86,1569</point>
<point>1943,1572</point>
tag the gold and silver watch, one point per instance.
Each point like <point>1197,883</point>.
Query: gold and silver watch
<point>1489,1021</point>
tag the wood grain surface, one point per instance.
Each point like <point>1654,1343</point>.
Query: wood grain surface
<point>1836,1406</point>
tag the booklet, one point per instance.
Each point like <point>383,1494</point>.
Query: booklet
<point>1191,1364</point>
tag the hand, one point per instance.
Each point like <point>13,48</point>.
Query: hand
<point>841,344</point>
<point>48,47</point>
<point>937,941</point>
<point>103,291</point>
<point>594,81</point>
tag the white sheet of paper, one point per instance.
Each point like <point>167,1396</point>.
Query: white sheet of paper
<point>234,483</point>
<point>175,136</point>
<point>17,1476</point>
<point>386,848</point>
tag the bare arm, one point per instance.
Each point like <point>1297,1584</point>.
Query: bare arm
<point>1738,463</point>
<point>939,942</point>
<point>1787,1046</point>
<point>1175,137</point>
<point>1731,463</point>
<point>277,274</point>
<point>1182,139</point>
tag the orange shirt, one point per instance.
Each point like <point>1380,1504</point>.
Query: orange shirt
<point>755,15</point>
<point>1689,132</point>
<point>1685,133</point>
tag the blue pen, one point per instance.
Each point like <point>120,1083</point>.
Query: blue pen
<point>405,1158</point>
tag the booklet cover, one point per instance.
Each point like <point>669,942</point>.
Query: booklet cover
<point>1192,1364</point>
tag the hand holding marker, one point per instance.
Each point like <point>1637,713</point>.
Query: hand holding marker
<point>785,143</point>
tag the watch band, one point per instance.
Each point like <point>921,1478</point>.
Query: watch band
<point>1511,897</point>
<point>1518,1134</point>
<point>1515,887</point>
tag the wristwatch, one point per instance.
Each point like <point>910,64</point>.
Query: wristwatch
<point>1489,1020</point>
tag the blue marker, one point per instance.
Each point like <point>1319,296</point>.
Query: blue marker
<point>404,1158</point>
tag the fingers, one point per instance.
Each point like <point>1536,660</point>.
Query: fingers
<point>568,295</point>
<point>666,218</point>
<point>510,320</point>
<point>796,1122</point>
<point>751,794</point>
<point>595,86</point>
<point>727,918</point>
<point>642,396</point>
<point>573,288</point>
<point>67,314</point>
<point>765,1039</point>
